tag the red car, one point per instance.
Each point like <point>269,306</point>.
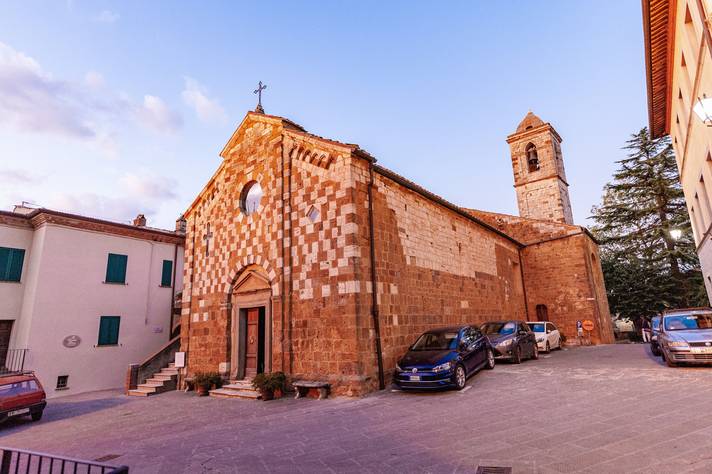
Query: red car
<point>20,395</point>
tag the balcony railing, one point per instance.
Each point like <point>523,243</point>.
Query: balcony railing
<point>14,361</point>
<point>29,462</point>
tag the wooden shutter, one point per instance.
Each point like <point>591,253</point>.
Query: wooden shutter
<point>109,330</point>
<point>167,274</point>
<point>11,261</point>
<point>116,268</point>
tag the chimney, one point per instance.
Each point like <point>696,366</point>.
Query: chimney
<point>24,208</point>
<point>181,225</point>
<point>140,221</point>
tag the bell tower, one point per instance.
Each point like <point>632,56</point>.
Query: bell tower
<point>539,177</point>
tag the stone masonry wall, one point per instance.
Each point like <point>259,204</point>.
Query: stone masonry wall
<point>559,274</point>
<point>434,268</point>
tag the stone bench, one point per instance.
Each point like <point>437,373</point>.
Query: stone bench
<point>309,388</point>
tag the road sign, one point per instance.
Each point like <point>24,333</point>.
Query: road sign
<point>588,325</point>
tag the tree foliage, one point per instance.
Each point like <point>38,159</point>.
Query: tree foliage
<point>646,269</point>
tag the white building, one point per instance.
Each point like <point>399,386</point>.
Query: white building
<point>85,297</point>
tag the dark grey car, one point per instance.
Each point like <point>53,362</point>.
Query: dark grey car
<point>686,336</point>
<point>513,340</point>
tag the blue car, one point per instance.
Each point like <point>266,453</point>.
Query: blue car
<point>444,358</point>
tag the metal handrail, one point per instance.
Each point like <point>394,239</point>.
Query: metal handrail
<point>14,361</point>
<point>30,462</point>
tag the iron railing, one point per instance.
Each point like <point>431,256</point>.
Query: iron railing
<point>19,461</point>
<point>14,361</point>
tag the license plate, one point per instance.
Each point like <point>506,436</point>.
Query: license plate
<point>701,350</point>
<point>415,378</point>
<point>24,411</point>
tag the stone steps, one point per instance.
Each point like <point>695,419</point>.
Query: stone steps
<point>164,380</point>
<point>236,389</point>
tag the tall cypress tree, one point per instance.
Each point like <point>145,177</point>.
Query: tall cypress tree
<point>646,269</point>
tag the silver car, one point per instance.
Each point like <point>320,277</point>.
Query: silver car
<point>686,336</point>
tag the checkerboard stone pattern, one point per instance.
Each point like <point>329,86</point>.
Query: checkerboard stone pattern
<point>311,237</point>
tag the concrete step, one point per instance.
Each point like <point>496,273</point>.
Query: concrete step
<point>159,376</point>
<point>141,393</point>
<point>230,393</point>
<point>172,365</point>
<point>158,380</point>
<point>168,371</point>
<point>239,385</point>
<point>150,388</point>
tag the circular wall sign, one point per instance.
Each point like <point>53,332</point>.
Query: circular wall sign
<point>588,325</point>
<point>71,341</point>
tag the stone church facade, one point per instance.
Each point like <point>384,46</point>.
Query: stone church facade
<point>289,238</point>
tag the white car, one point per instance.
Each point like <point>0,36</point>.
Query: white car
<point>547,335</point>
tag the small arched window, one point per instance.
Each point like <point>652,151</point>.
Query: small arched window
<point>251,196</point>
<point>532,157</point>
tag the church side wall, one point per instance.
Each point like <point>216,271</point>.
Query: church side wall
<point>435,268</point>
<point>560,274</point>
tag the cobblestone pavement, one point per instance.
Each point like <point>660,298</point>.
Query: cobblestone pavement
<point>603,409</point>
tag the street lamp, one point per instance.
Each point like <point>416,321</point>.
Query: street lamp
<point>675,234</point>
<point>703,109</point>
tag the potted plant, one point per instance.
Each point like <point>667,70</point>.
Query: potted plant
<point>271,385</point>
<point>202,383</point>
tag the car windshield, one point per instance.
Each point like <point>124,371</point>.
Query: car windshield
<point>536,327</point>
<point>499,328</point>
<point>436,341</point>
<point>686,322</point>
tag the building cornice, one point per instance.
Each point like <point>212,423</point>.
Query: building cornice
<point>40,217</point>
<point>517,136</point>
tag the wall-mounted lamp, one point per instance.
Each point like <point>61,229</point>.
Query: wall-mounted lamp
<point>675,234</point>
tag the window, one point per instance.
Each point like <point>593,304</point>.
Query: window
<point>116,268</point>
<point>532,157</point>
<point>251,197</point>
<point>11,263</point>
<point>313,214</point>
<point>167,273</point>
<point>109,330</point>
<point>62,382</point>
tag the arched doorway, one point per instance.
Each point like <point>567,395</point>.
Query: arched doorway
<point>542,312</point>
<point>251,323</point>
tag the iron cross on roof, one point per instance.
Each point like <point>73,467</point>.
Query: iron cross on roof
<point>258,91</point>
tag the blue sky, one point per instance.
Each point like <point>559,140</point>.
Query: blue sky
<point>115,108</point>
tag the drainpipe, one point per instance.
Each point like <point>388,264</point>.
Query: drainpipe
<point>173,289</point>
<point>374,282</point>
<point>524,285</point>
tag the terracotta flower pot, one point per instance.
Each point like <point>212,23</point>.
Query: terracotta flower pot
<point>267,395</point>
<point>203,390</point>
<point>278,393</point>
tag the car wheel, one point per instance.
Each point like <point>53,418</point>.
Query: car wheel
<point>490,360</point>
<point>535,352</point>
<point>460,377</point>
<point>548,347</point>
<point>655,350</point>
<point>668,361</point>
<point>517,355</point>
<point>37,416</point>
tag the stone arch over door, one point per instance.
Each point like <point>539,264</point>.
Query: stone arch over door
<point>251,288</point>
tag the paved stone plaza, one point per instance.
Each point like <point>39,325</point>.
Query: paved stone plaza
<point>602,409</point>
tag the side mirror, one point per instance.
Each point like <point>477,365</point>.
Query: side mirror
<point>549,331</point>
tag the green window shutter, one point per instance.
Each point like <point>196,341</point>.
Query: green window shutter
<point>116,268</point>
<point>109,330</point>
<point>167,274</point>
<point>11,261</point>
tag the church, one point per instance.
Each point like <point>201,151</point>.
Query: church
<point>304,255</point>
